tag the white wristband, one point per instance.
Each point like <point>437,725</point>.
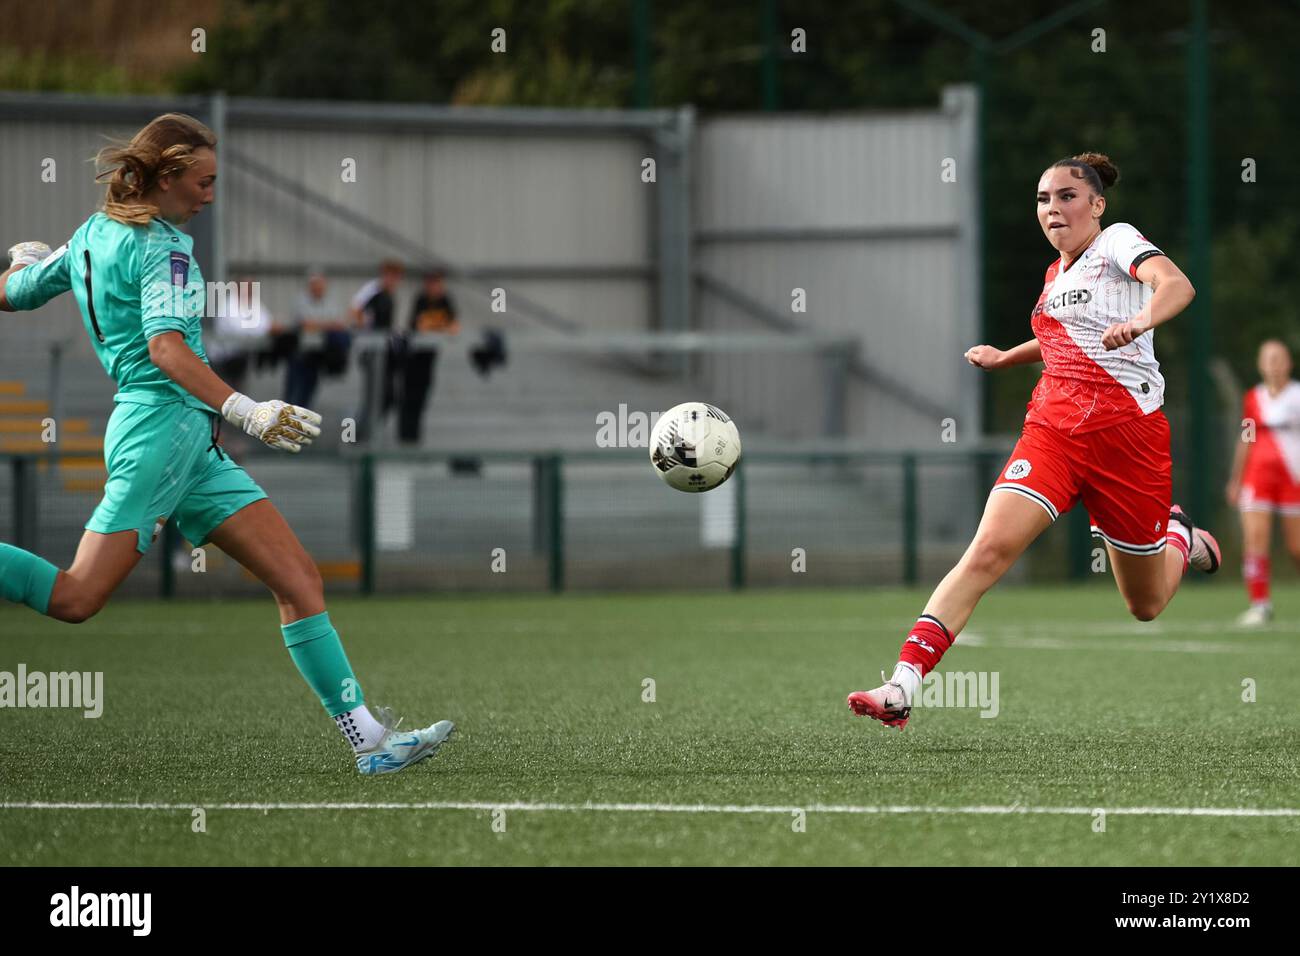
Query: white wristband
<point>236,408</point>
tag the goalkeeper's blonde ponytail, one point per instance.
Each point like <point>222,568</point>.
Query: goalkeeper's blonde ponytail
<point>164,147</point>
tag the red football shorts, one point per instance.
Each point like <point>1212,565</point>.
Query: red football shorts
<point>1122,474</point>
<point>1268,487</point>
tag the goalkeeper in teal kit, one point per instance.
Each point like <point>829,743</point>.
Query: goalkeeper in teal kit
<point>142,297</point>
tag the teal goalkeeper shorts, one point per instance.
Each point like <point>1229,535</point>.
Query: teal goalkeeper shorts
<point>162,463</point>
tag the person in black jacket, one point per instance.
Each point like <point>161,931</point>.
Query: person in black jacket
<point>433,312</point>
<point>372,311</point>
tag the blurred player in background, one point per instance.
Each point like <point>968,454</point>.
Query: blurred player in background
<point>1094,431</point>
<point>1266,475</point>
<point>142,298</point>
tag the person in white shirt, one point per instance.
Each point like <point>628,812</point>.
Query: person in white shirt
<point>316,314</point>
<point>245,318</point>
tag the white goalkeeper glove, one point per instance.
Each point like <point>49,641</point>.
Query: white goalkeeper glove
<point>28,253</point>
<point>274,423</point>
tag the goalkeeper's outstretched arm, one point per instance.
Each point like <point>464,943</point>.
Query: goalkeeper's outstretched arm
<point>4,279</point>
<point>29,254</point>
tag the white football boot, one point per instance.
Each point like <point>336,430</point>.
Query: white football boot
<point>400,748</point>
<point>1257,615</point>
<point>887,704</point>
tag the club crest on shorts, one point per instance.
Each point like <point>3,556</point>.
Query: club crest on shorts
<point>1018,469</point>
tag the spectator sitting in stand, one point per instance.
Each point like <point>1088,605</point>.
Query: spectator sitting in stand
<point>433,312</point>
<point>372,310</point>
<point>316,315</point>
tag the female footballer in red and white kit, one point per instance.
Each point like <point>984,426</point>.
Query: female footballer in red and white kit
<point>1266,475</point>
<point>1094,433</point>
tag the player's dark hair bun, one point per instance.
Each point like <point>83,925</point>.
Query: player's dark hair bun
<point>1107,171</point>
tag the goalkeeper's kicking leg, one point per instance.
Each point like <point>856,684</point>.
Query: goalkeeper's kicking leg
<point>258,537</point>
<point>103,562</point>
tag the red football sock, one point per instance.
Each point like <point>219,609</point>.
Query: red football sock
<point>926,644</point>
<point>1255,569</point>
<point>1178,541</point>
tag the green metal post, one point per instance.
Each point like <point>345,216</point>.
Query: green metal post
<point>24,502</point>
<point>910,530</point>
<point>556,509</point>
<point>1198,227</point>
<point>738,545</point>
<point>1079,541</point>
<point>983,81</point>
<point>366,507</point>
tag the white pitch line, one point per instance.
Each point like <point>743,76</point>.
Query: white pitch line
<point>525,807</point>
<point>1021,642</point>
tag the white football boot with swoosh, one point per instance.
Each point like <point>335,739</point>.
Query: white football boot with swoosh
<point>401,748</point>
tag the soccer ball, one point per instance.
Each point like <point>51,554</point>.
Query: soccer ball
<point>694,446</point>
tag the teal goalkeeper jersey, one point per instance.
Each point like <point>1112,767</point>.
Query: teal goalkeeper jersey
<point>131,283</point>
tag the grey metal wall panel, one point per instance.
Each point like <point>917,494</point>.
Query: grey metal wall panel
<point>825,171</point>
<point>473,199</point>
<point>853,210</point>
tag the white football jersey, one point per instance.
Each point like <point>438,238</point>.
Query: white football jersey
<point>1085,387</point>
<point>1277,431</point>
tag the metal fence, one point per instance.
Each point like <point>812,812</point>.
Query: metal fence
<point>419,522</point>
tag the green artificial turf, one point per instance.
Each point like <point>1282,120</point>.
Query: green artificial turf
<point>203,707</point>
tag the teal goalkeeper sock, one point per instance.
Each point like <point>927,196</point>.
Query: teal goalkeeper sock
<point>26,578</point>
<point>318,653</point>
